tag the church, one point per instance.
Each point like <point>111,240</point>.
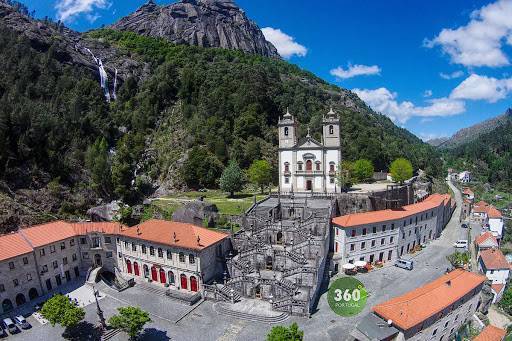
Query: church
<point>307,165</point>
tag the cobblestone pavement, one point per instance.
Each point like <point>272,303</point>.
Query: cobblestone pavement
<point>175,321</point>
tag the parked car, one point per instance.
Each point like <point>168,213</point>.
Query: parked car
<point>461,244</point>
<point>404,264</point>
<point>22,322</point>
<point>9,325</point>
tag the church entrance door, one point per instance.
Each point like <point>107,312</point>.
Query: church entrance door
<point>309,185</point>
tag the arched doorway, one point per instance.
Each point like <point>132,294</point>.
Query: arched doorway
<point>136,268</point>
<point>279,237</point>
<point>7,305</point>
<point>20,299</point>
<point>269,262</point>
<point>309,166</point>
<point>183,280</point>
<point>172,280</point>
<point>146,270</point>
<point>97,259</point>
<point>163,280</point>
<point>193,283</point>
<point>154,274</point>
<point>128,266</point>
<point>33,294</point>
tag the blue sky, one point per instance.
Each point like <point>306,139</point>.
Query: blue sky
<point>432,66</point>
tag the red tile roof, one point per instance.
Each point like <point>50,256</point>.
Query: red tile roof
<point>491,333</point>
<point>492,212</point>
<point>187,235</point>
<point>49,233</point>
<point>494,259</point>
<point>468,191</point>
<point>356,219</point>
<point>497,287</point>
<point>416,306</point>
<point>484,237</point>
<point>13,245</point>
<point>83,228</point>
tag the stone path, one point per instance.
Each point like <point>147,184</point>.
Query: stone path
<point>497,318</point>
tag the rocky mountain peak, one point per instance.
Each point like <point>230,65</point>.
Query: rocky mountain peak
<point>205,23</point>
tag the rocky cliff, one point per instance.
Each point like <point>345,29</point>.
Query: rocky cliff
<point>205,23</point>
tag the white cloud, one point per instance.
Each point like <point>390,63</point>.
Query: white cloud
<point>285,44</point>
<point>384,101</point>
<point>477,87</point>
<point>355,70</point>
<point>68,10</point>
<point>454,74</point>
<point>479,43</point>
<point>427,93</point>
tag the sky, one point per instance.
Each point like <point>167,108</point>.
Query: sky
<point>432,66</point>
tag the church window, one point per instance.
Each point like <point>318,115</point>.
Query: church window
<point>318,166</point>
<point>300,165</point>
<point>287,180</point>
<point>285,131</point>
<point>331,129</point>
<point>331,167</point>
<point>286,167</point>
<point>332,180</point>
<point>309,165</point>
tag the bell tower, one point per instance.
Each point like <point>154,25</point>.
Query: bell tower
<point>287,131</point>
<point>331,129</point>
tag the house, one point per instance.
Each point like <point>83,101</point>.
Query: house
<point>479,212</point>
<point>493,264</point>
<point>491,333</point>
<point>434,311</point>
<point>495,221</point>
<point>468,194</point>
<point>485,241</point>
<point>464,177</point>
<point>467,206</point>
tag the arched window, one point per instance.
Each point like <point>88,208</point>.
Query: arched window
<point>193,284</point>
<point>7,305</point>
<point>172,280</point>
<point>146,270</point>
<point>286,167</point>
<point>163,280</point>
<point>309,165</point>
<point>128,266</point>
<point>285,131</point>
<point>136,269</point>
<point>151,250</point>
<point>331,129</point>
<point>33,294</point>
<point>20,299</point>
<point>183,281</point>
<point>191,259</point>
<point>143,248</point>
<point>318,166</point>
<point>160,253</point>
<point>331,167</point>
<point>182,257</point>
<point>169,254</point>
<point>154,274</point>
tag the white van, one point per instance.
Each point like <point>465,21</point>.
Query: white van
<point>404,264</point>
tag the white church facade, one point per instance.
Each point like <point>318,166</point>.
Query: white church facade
<point>307,165</point>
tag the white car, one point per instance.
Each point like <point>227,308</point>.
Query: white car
<point>461,244</point>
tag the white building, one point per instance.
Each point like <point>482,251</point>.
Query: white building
<point>307,165</point>
<point>465,177</point>
<point>495,221</point>
<point>493,264</point>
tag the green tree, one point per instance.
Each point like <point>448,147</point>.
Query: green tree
<point>97,162</point>
<point>260,173</point>
<point>459,259</point>
<point>59,310</point>
<point>282,333</point>
<point>401,170</point>
<point>363,170</point>
<point>131,320</point>
<point>506,301</point>
<point>344,175</point>
<point>232,179</point>
<point>202,169</point>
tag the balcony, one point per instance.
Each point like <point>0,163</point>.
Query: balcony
<point>309,172</point>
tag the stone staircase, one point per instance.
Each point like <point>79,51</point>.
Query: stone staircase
<point>152,289</point>
<point>271,319</point>
<point>109,334</point>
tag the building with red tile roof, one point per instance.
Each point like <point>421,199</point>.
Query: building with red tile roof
<point>497,291</point>
<point>493,264</point>
<point>493,259</point>
<point>430,309</point>
<point>13,245</point>
<point>44,234</point>
<point>486,241</point>
<point>491,333</point>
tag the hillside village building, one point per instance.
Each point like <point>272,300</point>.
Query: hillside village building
<point>434,311</point>
<point>40,259</point>
<point>389,234</point>
<point>493,264</point>
<point>485,241</point>
<point>308,165</point>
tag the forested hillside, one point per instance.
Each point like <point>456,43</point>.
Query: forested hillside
<point>64,146</point>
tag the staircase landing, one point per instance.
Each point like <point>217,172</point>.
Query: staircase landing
<point>251,310</point>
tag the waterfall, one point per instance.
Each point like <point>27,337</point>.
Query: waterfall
<point>114,96</point>
<point>103,76</point>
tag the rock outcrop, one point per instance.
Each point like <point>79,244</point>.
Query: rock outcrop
<point>205,23</point>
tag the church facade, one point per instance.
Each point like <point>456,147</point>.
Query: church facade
<point>307,165</point>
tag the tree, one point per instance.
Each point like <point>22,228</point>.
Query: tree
<point>260,173</point>
<point>401,170</point>
<point>344,175</point>
<point>202,169</point>
<point>98,162</point>
<point>363,170</point>
<point>59,310</point>
<point>459,259</point>
<point>506,301</point>
<point>281,333</point>
<point>232,179</point>
<point>131,320</point>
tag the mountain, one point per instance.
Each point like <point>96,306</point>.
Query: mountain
<point>470,134</point>
<point>437,141</point>
<point>204,23</point>
<point>173,109</point>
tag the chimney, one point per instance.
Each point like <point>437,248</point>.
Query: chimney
<point>198,240</point>
<point>174,237</point>
<point>449,282</point>
<point>138,231</point>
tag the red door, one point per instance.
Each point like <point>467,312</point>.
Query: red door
<point>154,275</point>
<point>128,266</point>
<point>183,279</point>
<point>193,283</point>
<point>136,268</point>
<point>162,276</point>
